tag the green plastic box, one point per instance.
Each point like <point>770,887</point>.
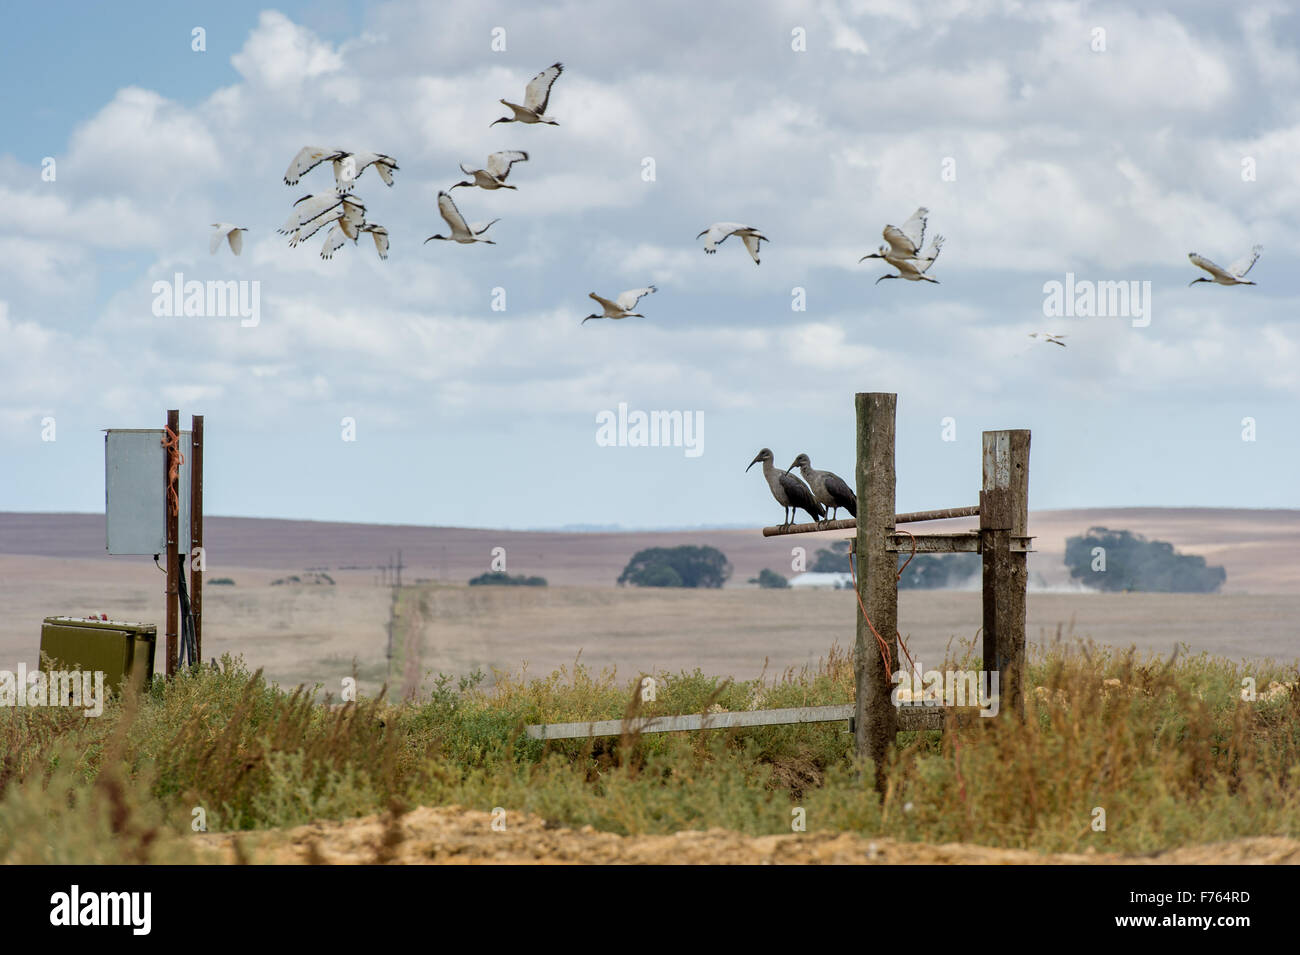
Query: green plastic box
<point>121,650</point>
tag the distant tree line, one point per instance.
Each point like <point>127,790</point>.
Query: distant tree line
<point>499,578</point>
<point>936,571</point>
<point>684,566</point>
<point>305,579</point>
<point>770,580</point>
<point>1123,561</point>
<point>924,572</point>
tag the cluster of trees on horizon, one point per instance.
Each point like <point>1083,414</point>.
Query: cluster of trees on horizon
<point>499,578</point>
<point>684,566</point>
<point>1120,561</point>
<point>1114,561</point>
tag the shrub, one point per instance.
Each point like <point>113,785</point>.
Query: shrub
<point>498,578</point>
<point>1131,562</point>
<point>685,566</point>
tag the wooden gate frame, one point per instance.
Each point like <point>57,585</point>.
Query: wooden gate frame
<point>1003,511</point>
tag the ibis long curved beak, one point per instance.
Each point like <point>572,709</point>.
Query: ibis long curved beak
<point>701,235</point>
<point>755,461</point>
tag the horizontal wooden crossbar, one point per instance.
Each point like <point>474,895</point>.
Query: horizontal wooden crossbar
<point>909,718</point>
<point>912,517</point>
<point>697,721</point>
<point>964,543</point>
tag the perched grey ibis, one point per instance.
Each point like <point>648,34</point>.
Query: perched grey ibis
<point>536,96</point>
<point>827,487</point>
<point>789,491</point>
<point>1235,274</point>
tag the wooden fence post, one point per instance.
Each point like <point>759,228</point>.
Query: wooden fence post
<point>171,486</point>
<point>196,532</point>
<point>875,719</point>
<point>1004,514</point>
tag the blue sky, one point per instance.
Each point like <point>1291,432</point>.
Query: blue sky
<point>1109,163</point>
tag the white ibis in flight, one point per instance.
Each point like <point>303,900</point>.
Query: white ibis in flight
<point>1235,274</point>
<point>494,176</point>
<point>902,242</point>
<point>230,233</point>
<point>312,213</point>
<point>789,491</point>
<point>829,488</point>
<point>461,231</point>
<point>1049,339</point>
<point>308,158</point>
<point>717,233</point>
<point>622,306</point>
<point>339,234</point>
<point>913,269</point>
<point>348,166</point>
<point>536,96</point>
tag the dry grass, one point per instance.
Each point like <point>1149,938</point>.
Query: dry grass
<point>1167,749</point>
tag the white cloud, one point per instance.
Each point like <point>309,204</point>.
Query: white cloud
<point>280,56</point>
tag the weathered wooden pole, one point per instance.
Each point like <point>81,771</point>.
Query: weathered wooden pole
<point>196,532</point>
<point>171,519</point>
<point>1004,514</point>
<point>875,719</point>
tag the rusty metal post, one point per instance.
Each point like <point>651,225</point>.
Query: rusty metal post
<point>170,487</point>
<point>196,531</point>
<point>1004,514</point>
<point>875,719</point>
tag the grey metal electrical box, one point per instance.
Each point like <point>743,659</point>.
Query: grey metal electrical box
<point>134,488</point>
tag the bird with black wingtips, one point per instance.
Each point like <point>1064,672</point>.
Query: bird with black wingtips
<point>1234,274</point>
<point>461,231</point>
<point>227,232</point>
<point>536,97</point>
<point>1049,339</point>
<point>791,493</point>
<point>622,306</point>
<point>493,176</point>
<point>902,242</point>
<point>720,231</point>
<point>829,488</point>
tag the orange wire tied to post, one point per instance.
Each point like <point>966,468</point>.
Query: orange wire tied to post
<point>172,443</point>
<point>885,655</point>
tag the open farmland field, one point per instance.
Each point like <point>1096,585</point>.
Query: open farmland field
<point>309,633</point>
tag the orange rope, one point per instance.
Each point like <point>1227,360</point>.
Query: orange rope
<point>172,442</point>
<point>885,655</point>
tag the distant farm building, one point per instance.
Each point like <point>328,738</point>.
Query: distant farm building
<point>823,581</point>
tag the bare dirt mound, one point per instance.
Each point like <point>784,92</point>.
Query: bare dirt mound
<point>452,835</point>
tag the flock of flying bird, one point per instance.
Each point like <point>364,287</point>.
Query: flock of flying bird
<point>345,214</point>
